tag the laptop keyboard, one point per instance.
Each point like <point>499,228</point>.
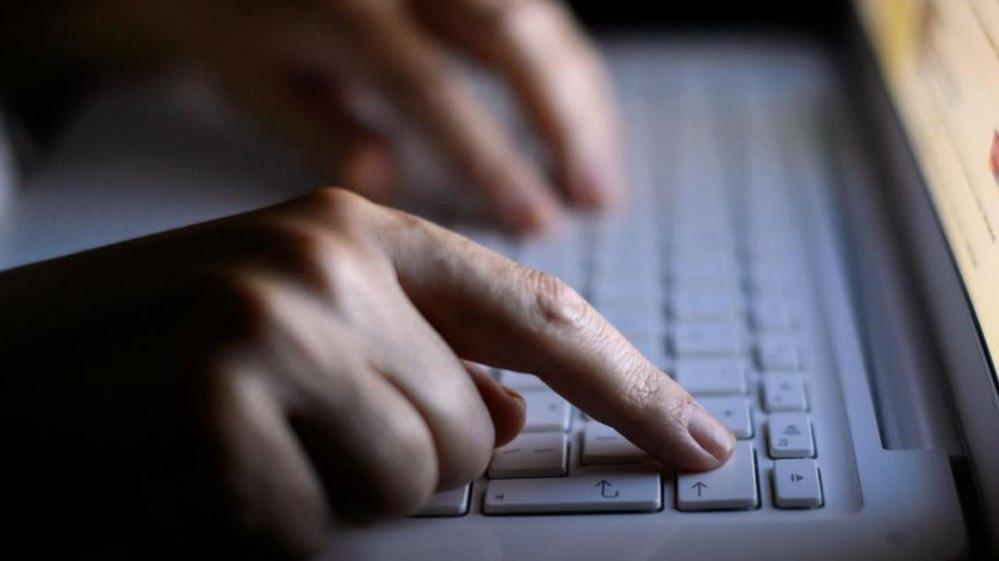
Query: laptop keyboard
<point>701,274</point>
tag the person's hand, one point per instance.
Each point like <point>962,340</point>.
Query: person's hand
<point>297,65</point>
<point>252,379</point>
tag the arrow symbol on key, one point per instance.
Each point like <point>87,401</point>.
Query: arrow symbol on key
<point>604,484</point>
<point>700,486</point>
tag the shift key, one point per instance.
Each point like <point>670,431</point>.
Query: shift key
<point>599,490</point>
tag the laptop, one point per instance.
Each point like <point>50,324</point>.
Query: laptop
<point>809,249</point>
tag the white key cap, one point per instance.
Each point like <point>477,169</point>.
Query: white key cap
<point>546,411</point>
<point>789,435</point>
<point>733,412</point>
<point>708,339</point>
<point>772,315</point>
<point>730,487</point>
<point>767,282</point>
<point>589,491</point>
<point>537,454</point>
<point>779,354</point>
<point>604,445</point>
<point>698,305</point>
<point>711,376</point>
<point>784,392</point>
<point>797,484</point>
<point>519,381</point>
<point>453,502</point>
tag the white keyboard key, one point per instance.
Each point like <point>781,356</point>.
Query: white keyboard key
<point>589,491</point>
<point>546,411</point>
<point>779,353</point>
<point>711,376</point>
<point>789,435</point>
<point>726,288</point>
<point>604,445</point>
<point>768,282</point>
<point>708,339</point>
<point>453,502</point>
<point>730,487</point>
<point>519,381</point>
<point>733,412</point>
<point>537,454</point>
<point>698,305</point>
<point>797,484</point>
<point>772,315</point>
<point>784,392</point>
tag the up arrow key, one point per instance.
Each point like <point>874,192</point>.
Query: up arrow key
<point>731,486</point>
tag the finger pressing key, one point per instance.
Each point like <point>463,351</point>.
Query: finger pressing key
<point>494,311</point>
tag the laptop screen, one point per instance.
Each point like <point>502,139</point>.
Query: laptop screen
<point>941,62</point>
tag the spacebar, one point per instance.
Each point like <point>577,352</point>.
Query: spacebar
<point>596,491</point>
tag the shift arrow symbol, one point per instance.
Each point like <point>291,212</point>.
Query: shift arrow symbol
<point>604,484</point>
<point>699,486</point>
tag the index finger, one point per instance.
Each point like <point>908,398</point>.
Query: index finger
<point>494,311</point>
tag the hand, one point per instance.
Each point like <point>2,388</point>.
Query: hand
<point>251,379</point>
<point>299,65</point>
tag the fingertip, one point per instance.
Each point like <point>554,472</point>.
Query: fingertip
<point>715,442</point>
<point>370,168</point>
<point>517,419</point>
<point>589,187</point>
<point>506,406</point>
<point>530,217</point>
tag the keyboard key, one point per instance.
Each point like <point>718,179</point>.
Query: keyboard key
<point>784,392</point>
<point>546,411</point>
<point>779,354</point>
<point>789,435</point>
<point>519,381</point>
<point>604,445</point>
<point>453,502</point>
<point>797,484</point>
<point>772,315</point>
<point>711,376</point>
<point>538,454</point>
<point>704,305</point>
<point>730,487</point>
<point>733,412</point>
<point>596,490</point>
<point>708,339</point>
<point>768,282</point>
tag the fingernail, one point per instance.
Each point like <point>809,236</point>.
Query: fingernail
<point>590,188</point>
<point>530,218</point>
<point>515,394</point>
<point>709,433</point>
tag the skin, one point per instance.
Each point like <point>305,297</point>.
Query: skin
<point>300,68</point>
<point>241,386</point>
<point>238,388</point>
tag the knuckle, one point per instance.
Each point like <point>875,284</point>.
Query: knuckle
<point>334,198</point>
<point>229,303</point>
<point>554,304</point>
<point>644,388</point>
<point>323,260</point>
<point>342,211</point>
<point>338,204</point>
